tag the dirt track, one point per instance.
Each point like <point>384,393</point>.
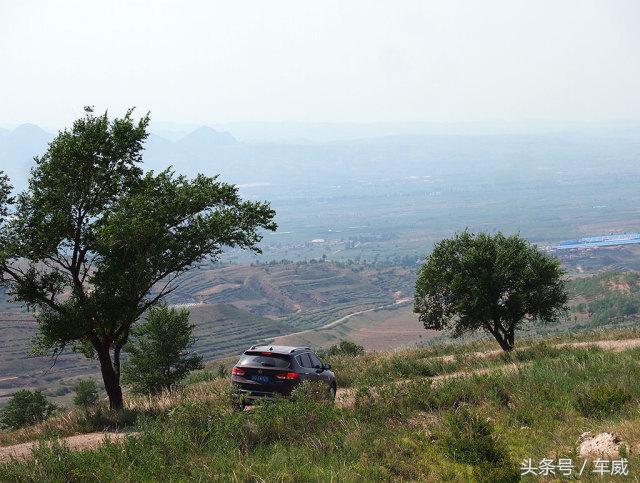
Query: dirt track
<point>79,442</point>
<point>339,321</point>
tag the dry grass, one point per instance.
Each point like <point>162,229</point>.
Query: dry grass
<point>403,431</point>
<point>216,391</point>
<point>77,421</point>
<point>64,424</point>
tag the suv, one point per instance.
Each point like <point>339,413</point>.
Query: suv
<point>271,371</point>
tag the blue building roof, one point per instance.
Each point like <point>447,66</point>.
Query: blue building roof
<point>600,241</point>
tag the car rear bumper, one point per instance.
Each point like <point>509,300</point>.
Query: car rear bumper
<point>252,395</point>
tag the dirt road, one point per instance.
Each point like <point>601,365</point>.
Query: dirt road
<point>278,340</point>
<point>79,442</point>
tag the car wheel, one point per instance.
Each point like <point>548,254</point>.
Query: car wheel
<point>238,404</point>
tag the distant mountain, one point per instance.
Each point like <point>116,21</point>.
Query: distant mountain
<point>29,133</point>
<point>393,156</point>
<point>17,149</point>
<point>205,138</point>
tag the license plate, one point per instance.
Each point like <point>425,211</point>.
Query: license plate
<point>260,379</point>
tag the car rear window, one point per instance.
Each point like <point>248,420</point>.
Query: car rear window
<point>264,359</point>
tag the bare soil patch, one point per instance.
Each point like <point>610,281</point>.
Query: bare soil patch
<point>77,443</point>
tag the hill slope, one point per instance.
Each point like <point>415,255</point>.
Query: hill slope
<point>459,413</point>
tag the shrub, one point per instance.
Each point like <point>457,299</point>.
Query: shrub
<point>601,399</point>
<point>199,376</point>
<point>101,418</point>
<point>311,391</point>
<point>469,438</point>
<point>86,393</point>
<point>345,348</point>
<point>24,408</point>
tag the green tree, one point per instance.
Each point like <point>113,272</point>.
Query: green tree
<point>488,282</point>
<point>5,196</point>
<point>26,407</point>
<point>95,242</point>
<point>86,393</point>
<point>345,348</point>
<point>159,351</point>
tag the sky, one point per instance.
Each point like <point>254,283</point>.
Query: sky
<point>207,62</point>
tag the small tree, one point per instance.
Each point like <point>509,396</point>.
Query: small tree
<point>488,282</point>
<point>159,355</point>
<point>86,393</point>
<point>26,407</point>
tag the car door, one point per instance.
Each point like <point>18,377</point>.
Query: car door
<point>320,373</point>
<point>309,372</point>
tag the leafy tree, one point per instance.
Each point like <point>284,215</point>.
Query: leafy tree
<point>488,282</point>
<point>86,393</point>
<point>26,407</point>
<point>5,196</point>
<point>159,355</point>
<point>95,242</point>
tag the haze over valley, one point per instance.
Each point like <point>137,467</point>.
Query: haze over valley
<point>389,197</point>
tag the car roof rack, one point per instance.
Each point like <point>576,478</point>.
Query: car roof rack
<point>299,349</point>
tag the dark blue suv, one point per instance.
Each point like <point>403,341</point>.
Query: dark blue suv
<point>270,371</point>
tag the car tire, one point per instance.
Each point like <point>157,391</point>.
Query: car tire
<point>238,404</point>
<point>332,393</point>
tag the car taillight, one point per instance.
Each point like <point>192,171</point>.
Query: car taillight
<point>236,371</point>
<point>290,376</point>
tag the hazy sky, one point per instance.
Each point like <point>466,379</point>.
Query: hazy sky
<point>223,61</point>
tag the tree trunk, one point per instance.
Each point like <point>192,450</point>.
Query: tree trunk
<point>505,340</point>
<point>510,338</point>
<point>111,379</point>
<point>504,343</point>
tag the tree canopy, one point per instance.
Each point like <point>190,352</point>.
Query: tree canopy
<point>488,282</point>
<point>159,351</point>
<point>5,201</point>
<point>95,242</point>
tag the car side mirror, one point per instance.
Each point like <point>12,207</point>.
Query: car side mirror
<point>326,367</point>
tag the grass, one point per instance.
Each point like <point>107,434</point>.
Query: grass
<point>374,368</point>
<point>478,427</point>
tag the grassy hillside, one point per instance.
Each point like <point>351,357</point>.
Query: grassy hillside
<point>459,413</point>
<point>606,299</point>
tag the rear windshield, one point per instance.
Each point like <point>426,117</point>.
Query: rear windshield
<point>261,359</point>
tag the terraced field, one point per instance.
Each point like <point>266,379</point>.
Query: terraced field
<point>223,329</point>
